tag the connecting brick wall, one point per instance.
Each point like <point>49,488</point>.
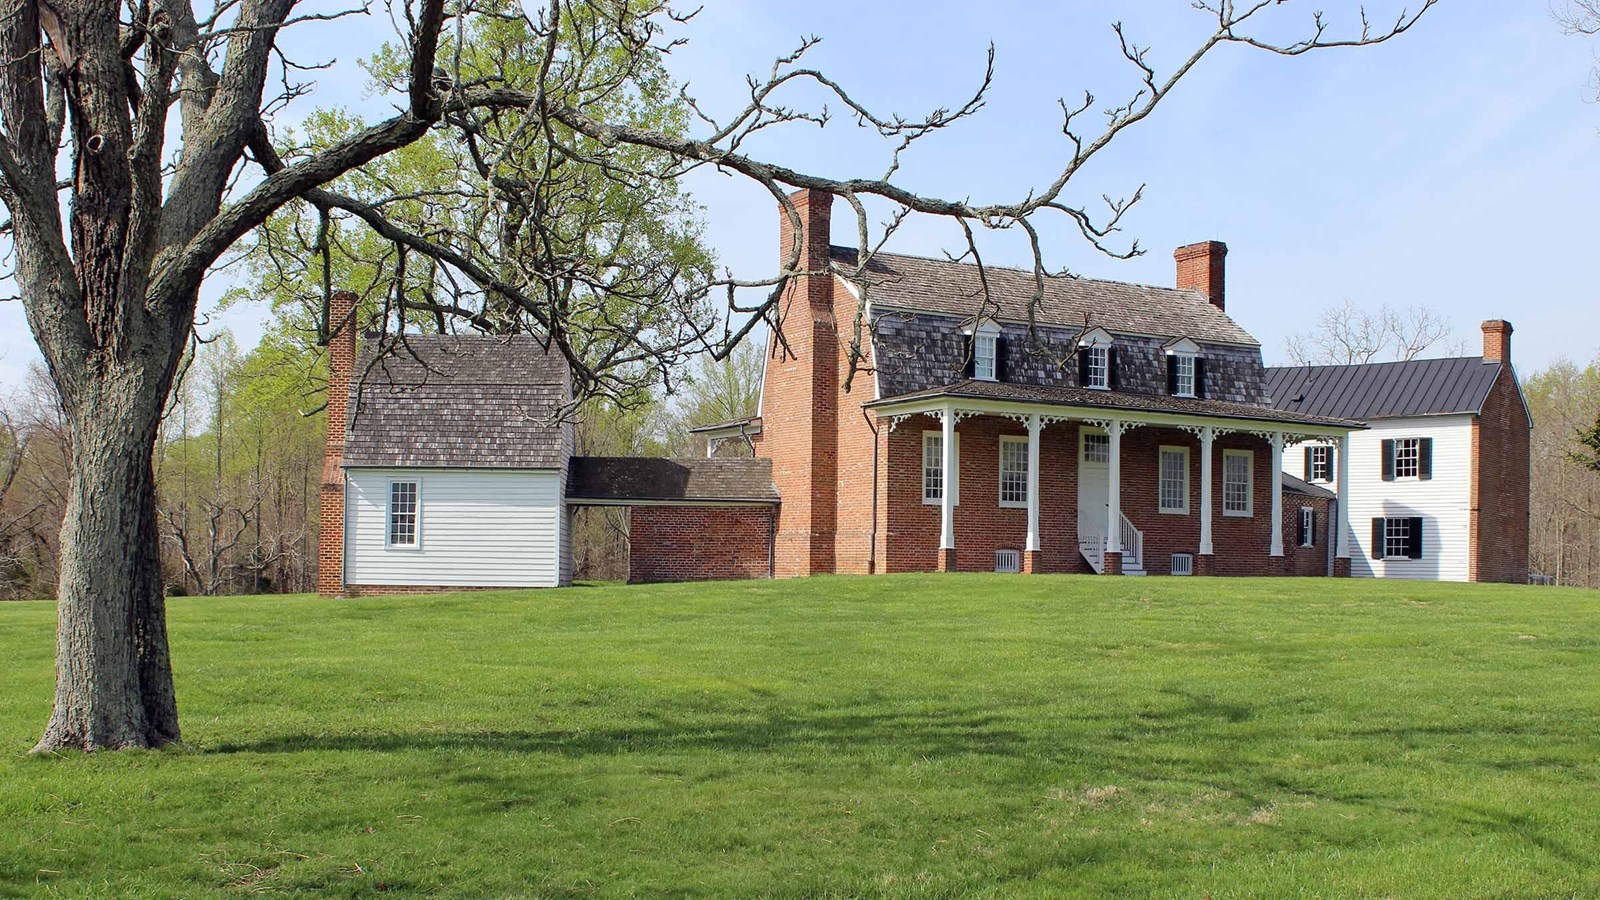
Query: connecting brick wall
<point>1305,562</point>
<point>1500,477</point>
<point>699,543</point>
<point>330,519</point>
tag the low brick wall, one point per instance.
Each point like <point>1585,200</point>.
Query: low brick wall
<point>699,543</point>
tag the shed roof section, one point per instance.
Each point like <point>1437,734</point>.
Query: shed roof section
<point>953,288</point>
<point>1305,488</point>
<point>1392,390</point>
<point>624,479</point>
<point>452,401</point>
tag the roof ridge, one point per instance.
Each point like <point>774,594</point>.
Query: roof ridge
<point>1386,362</point>
<point>1026,271</point>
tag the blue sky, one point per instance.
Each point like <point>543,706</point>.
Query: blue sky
<point>1456,167</point>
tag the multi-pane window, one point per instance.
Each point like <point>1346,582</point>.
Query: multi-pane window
<point>1308,526</point>
<point>1174,480</point>
<point>1407,458</point>
<point>402,513</point>
<point>1236,478</point>
<point>1097,367</point>
<point>1396,538</point>
<point>1321,463</point>
<point>1096,448</point>
<point>1183,364</point>
<point>1013,471</point>
<point>983,356</point>
<point>933,467</point>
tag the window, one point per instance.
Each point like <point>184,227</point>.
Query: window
<point>1319,463</point>
<point>1013,471</point>
<point>1407,458</point>
<point>1182,564</point>
<point>1183,369</point>
<point>1174,480</point>
<point>1097,368</point>
<point>1096,447</point>
<point>1237,466</point>
<point>1008,561</point>
<point>1308,527</point>
<point>1397,538</point>
<point>984,348</point>
<point>402,513</point>
<point>933,468</point>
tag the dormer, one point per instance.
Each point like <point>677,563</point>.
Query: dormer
<point>1097,360</point>
<point>1186,368</point>
<point>984,350</point>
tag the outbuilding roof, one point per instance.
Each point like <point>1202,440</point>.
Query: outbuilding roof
<point>1390,390</point>
<point>1305,488</point>
<point>453,401</point>
<point>952,288</point>
<point>625,479</point>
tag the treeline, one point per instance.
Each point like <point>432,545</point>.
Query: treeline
<point>1565,531</point>
<point>239,464</point>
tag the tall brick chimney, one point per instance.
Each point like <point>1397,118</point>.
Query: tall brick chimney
<point>1200,268</point>
<point>800,396</point>
<point>341,361</point>
<point>1497,340</point>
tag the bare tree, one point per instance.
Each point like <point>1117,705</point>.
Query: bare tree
<point>111,290</point>
<point>1581,17</point>
<point>1349,334</point>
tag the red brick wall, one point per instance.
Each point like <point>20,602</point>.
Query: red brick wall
<point>1305,562</point>
<point>699,543</point>
<point>330,519</point>
<point>1500,473</point>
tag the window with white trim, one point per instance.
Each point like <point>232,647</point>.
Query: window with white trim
<point>1096,447</point>
<point>1098,368</point>
<point>933,468</point>
<point>1014,471</point>
<point>1237,477</point>
<point>984,346</point>
<point>403,505</point>
<point>1408,457</point>
<point>1183,363</point>
<point>1397,538</point>
<point>1173,480</point>
<point>1308,527</point>
<point>1321,468</point>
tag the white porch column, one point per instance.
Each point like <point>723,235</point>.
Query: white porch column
<point>1277,493</point>
<point>948,476</point>
<point>1207,435</point>
<point>1342,539</point>
<point>1114,490</point>
<point>1033,483</point>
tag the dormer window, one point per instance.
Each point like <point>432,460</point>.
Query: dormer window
<point>1183,372</point>
<point>1097,361</point>
<point>1186,372</point>
<point>985,352</point>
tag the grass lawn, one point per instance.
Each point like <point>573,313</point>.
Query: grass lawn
<point>897,736</point>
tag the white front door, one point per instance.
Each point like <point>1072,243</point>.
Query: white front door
<point>1094,483</point>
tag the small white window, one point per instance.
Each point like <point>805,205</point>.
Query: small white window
<point>1096,447</point>
<point>1396,538</point>
<point>1408,458</point>
<point>933,468</point>
<point>1098,368</point>
<point>1183,564</point>
<point>983,355</point>
<point>1308,527</point>
<point>1237,477</point>
<point>1321,463</point>
<point>403,496</point>
<point>1014,471</point>
<point>1174,480</point>
<point>1007,561</point>
<point>1183,363</point>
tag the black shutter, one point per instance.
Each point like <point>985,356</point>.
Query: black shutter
<point>1333,461</point>
<point>1425,458</point>
<point>1309,473</point>
<point>1388,460</point>
<point>1083,366</point>
<point>1300,530</point>
<point>967,359</point>
<point>1111,368</point>
<point>1311,537</point>
<point>1200,377</point>
<point>1378,533</point>
<point>1172,373</point>
<point>1414,544</point>
<point>1000,359</point>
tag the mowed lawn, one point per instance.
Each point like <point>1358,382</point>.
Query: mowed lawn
<point>935,736</point>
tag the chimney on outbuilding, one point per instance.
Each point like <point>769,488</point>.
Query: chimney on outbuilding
<point>341,362</point>
<point>1200,268</point>
<point>1497,340</point>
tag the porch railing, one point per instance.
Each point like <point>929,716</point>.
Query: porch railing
<point>1093,548</point>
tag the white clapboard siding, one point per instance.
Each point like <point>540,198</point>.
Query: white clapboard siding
<point>477,528</point>
<point>1443,501</point>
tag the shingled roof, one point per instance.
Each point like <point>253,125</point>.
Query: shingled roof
<point>1418,387</point>
<point>621,479</point>
<point>952,288</point>
<point>455,401</point>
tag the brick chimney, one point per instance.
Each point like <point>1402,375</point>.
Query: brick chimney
<point>1200,268</point>
<point>341,361</point>
<point>1497,340</point>
<point>800,395</point>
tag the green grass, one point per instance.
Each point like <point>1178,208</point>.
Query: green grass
<point>932,736</point>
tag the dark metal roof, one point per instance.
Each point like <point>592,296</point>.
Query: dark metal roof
<point>1418,387</point>
<point>1114,400</point>
<point>748,423</point>
<point>454,401</point>
<point>1297,486</point>
<point>617,479</point>
<point>953,288</point>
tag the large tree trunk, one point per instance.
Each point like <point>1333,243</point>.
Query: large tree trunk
<point>113,673</point>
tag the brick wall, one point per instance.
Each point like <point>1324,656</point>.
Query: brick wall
<point>699,543</point>
<point>1305,562</point>
<point>1500,471</point>
<point>330,519</point>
